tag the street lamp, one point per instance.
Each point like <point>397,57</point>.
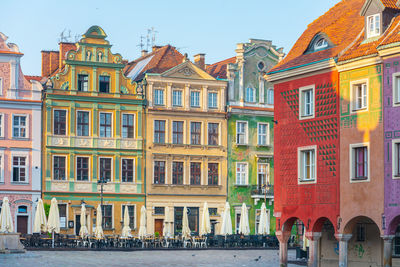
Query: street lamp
<point>102,181</point>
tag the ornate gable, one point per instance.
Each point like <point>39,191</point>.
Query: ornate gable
<point>187,70</point>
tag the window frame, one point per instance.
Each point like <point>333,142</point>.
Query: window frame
<point>352,158</point>
<point>89,122</point>
<point>108,83</point>
<point>133,126</point>
<point>111,125</point>
<point>79,81</point>
<point>2,165</point>
<point>395,159</point>
<point>65,167</point>
<point>54,121</point>
<point>215,102</point>
<point>66,215</point>
<point>396,93</point>
<point>134,215</point>
<point>192,104</point>
<point>300,170</point>
<point>88,169</point>
<point>267,178</point>
<point>267,134</point>
<point>165,172</point>
<point>1,86</point>
<point>159,132</point>
<point>103,216</point>
<point>246,133</point>
<point>369,29</point>
<point>270,100</point>
<point>174,104</point>
<point>156,98</point>
<point>178,133</point>
<point>19,127</point>
<point>200,173</point>
<point>353,97</point>
<point>246,174</point>
<point>254,94</point>
<point>217,173</point>
<point>173,172</point>
<point>27,166</point>
<point>303,116</point>
<point>197,134</point>
<point>2,119</point>
<point>111,170</point>
<point>133,169</point>
<point>213,134</point>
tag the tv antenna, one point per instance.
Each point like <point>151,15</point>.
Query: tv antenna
<point>151,38</point>
<point>64,37</point>
<point>141,44</point>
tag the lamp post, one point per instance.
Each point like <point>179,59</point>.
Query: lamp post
<point>102,181</point>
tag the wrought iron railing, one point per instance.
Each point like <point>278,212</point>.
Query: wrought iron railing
<point>262,190</point>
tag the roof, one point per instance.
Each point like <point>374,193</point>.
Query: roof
<point>218,69</point>
<point>342,24</point>
<point>36,78</point>
<point>390,4</point>
<point>158,61</point>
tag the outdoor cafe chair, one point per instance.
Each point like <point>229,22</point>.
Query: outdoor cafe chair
<point>195,242</point>
<point>203,242</point>
<point>187,242</point>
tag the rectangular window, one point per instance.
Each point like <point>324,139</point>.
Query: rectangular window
<point>195,173</point>
<point>177,98</point>
<point>59,168</point>
<point>212,173</point>
<point>177,172</point>
<point>195,99</point>
<point>159,132</point>
<point>159,211</point>
<point>177,132</point>
<point>307,103</point>
<point>213,211</point>
<point>83,82</point>
<point>262,175</point>
<point>361,231</point>
<point>60,122</point>
<point>373,25</point>
<point>241,132</point>
<point>213,134</point>
<point>212,100</point>
<point>250,95</point>
<point>82,123</point>
<point>1,125</point>
<point>158,97</point>
<point>127,125</point>
<point>159,172</point>
<point>19,126</point>
<point>131,213</point>
<point>1,168</point>
<point>1,86</point>
<point>127,170</point>
<point>263,130</point>
<point>359,96</point>
<point>396,89</point>
<point>19,169</point>
<point>360,163</point>
<point>62,211</point>
<point>104,84</point>
<point>396,159</point>
<point>307,165</point>
<point>105,170</point>
<point>241,173</point>
<point>105,124</point>
<point>195,133</point>
<point>107,213</point>
<point>82,168</point>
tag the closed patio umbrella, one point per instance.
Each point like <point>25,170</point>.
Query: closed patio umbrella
<point>39,224</point>
<point>263,226</point>
<point>205,224</point>
<point>6,224</point>
<point>185,224</point>
<point>53,223</point>
<point>126,230</point>
<point>244,228</point>
<point>226,226</point>
<point>142,227</point>
<point>167,224</point>
<point>305,240</point>
<point>98,231</point>
<point>83,232</point>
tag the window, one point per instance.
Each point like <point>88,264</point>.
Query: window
<point>361,231</point>
<point>1,125</point>
<point>195,133</point>
<point>177,98</point>
<point>250,95</point>
<point>127,125</point>
<point>59,168</point>
<point>241,173</point>
<point>22,209</point>
<point>395,158</point>
<point>359,96</point>
<point>212,173</point>
<point>260,66</point>
<point>127,170</point>
<point>195,173</point>
<point>177,132</point>
<point>262,178</point>
<point>131,213</point>
<point>19,169</point>
<point>107,213</point>
<point>320,44</point>
<point>104,84</point>
<point>82,123</point>
<point>360,162</point>
<point>212,100</point>
<point>213,134</point>
<point>82,168</point>
<point>373,25</point>
<point>159,211</point>
<point>1,86</point>
<point>159,97</point>
<point>105,169</point>
<point>306,102</point>
<point>213,211</point>
<point>19,126</point>
<point>396,88</point>
<point>60,122</point>
<point>159,172</point>
<point>270,96</point>
<point>159,132</point>
<point>193,218</point>
<point>62,211</point>
<point>177,172</point>
<point>195,99</point>
<point>241,132</point>
<point>83,82</point>
<point>307,164</point>
<point>263,134</point>
<point>237,220</point>
<point>105,124</point>
<point>1,167</point>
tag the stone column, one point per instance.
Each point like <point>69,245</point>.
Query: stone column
<point>314,237</point>
<point>343,248</point>
<point>387,250</point>
<point>283,238</point>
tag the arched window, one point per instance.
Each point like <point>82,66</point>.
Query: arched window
<point>250,94</point>
<point>22,209</point>
<point>270,96</point>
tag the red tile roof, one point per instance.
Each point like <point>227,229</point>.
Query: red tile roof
<point>36,78</point>
<point>218,69</point>
<point>342,24</point>
<point>390,4</point>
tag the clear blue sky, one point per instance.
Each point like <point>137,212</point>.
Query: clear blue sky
<point>206,26</point>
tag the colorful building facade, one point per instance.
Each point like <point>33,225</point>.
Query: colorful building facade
<point>93,133</point>
<point>20,137</point>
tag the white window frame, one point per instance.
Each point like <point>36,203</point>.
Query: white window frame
<point>183,134</point>
<point>351,157</point>
<point>112,215</point>
<point>134,124</point>
<point>396,89</point>
<point>134,170</point>
<point>112,123</point>
<point>219,132</point>
<point>267,137</point>
<point>76,122</point>
<point>2,118</point>
<point>270,100</point>
<point>112,169</point>
<point>253,92</point>
<point>301,169</point>
<point>1,86</point>
<point>267,178</point>
<point>302,115</point>
<point>26,126</point>
<point>27,166</point>
<point>177,101</point>
<point>395,154</point>
<point>159,97</point>
<point>66,167</point>
<point>372,31</point>
<point>214,103</point>
<point>246,173</point>
<point>134,214</point>
<point>2,165</point>
<point>354,97</point>
<point>246,133</point>
<point>89,168</point>
<point>192,98</point>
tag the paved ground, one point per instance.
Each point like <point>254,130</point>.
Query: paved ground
<point>215,258</point>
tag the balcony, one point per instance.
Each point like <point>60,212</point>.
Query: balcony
<point>93,142</point>
<point>259,192</point>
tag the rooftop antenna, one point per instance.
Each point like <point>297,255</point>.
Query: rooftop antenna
<point>153,37</point>
<point>64,37</point>
<point>141,44</point>
<point>148,39</point>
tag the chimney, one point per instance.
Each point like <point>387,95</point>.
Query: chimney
<point>155,47</point>
<point>144,53</point>
<point>200,61</point>
<point>64,48</point>
<point>50,60</point>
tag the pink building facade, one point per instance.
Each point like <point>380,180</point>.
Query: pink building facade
<point>20,137</point>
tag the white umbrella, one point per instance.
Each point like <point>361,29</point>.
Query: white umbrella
<point>98,231</point>
<point>263,226</point>
<point>167,224</point>
<point>142,227</point>
<point>40,218</point>
<point>83,232</point>
<point>185,224</point>
<point>226,227</point>
<point>6,224</point>
<point>205,224</point>
<point>305,240</point>
<point>53,224</point>
<point>244,228</point>
<point>126,230</point>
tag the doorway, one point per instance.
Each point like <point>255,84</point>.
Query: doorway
<point>77,223</point>
<point>22,224</point>
<point>158,226</point>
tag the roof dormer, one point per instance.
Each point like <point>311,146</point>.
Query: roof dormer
<point>320,42</point>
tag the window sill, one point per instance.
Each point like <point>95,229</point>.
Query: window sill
<point>265,146</point>
<point>310,181</point>
<point>359,110</point>
<point>241,144</point>
<point>305,117</point>
<point>21,138</point>
<point>243,185</point>
<point>19,183</point>
<point>396,177</point>
<point>363,179</point>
